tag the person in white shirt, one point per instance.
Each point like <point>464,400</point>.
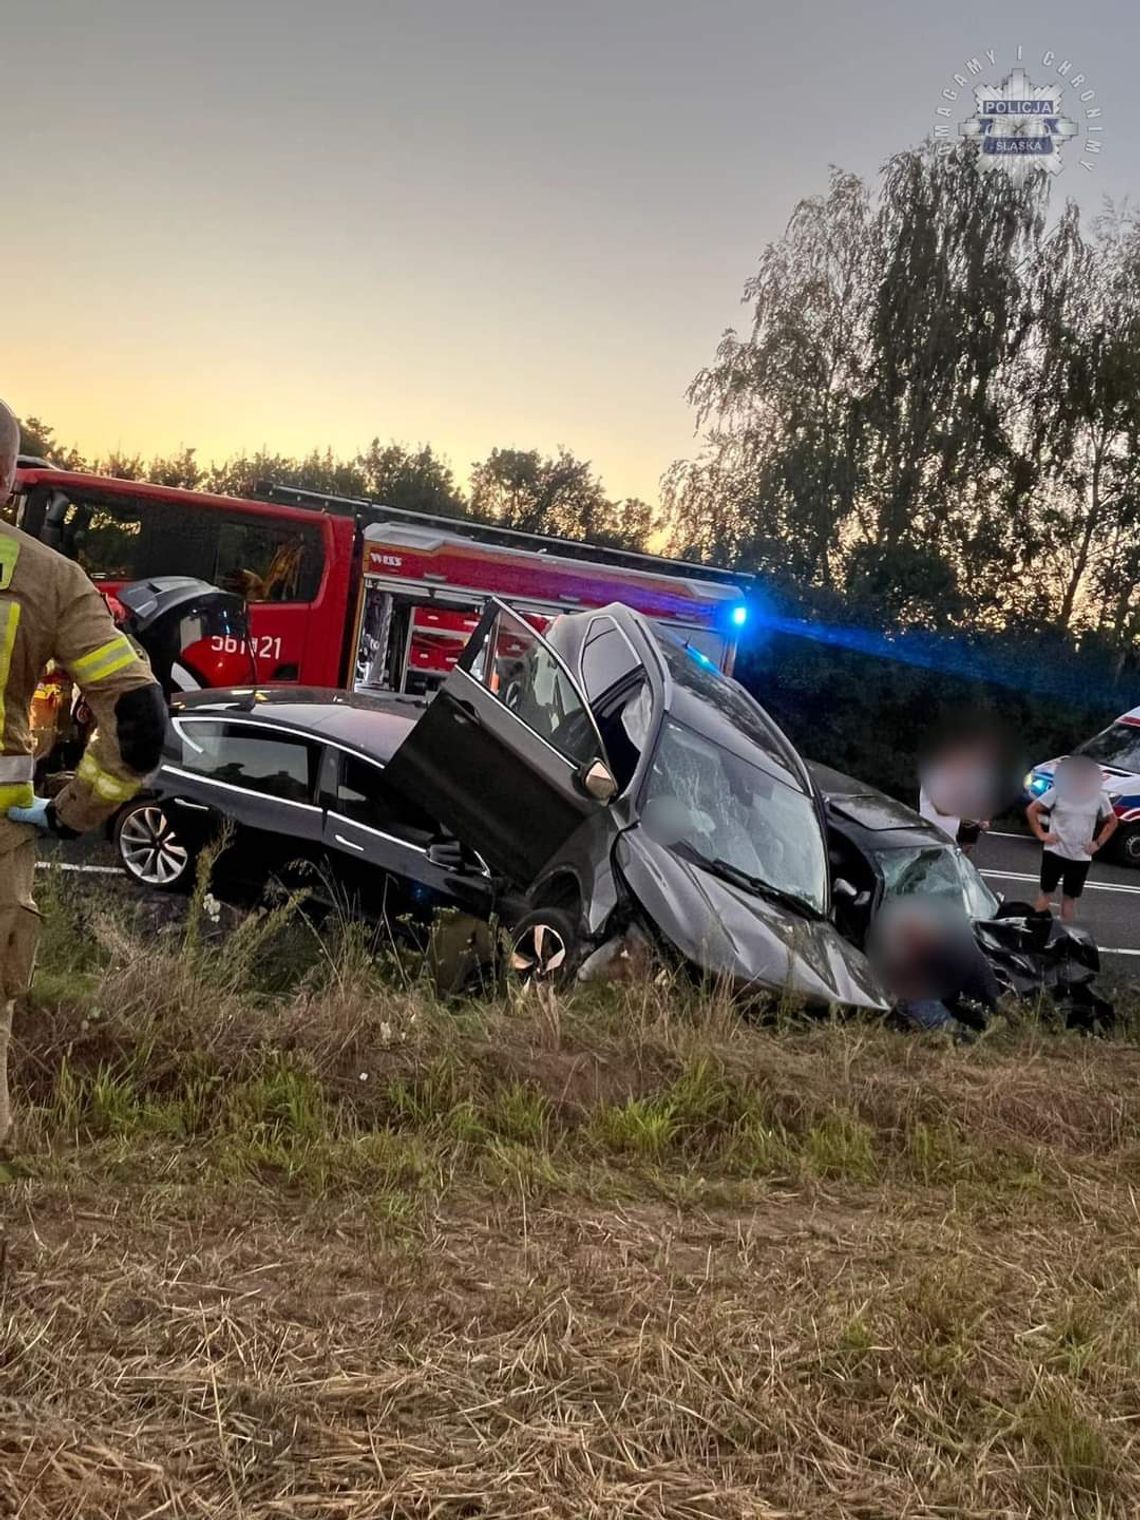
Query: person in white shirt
<point>951,781</point>
<point>1080,821</point>
<point>947,822</point>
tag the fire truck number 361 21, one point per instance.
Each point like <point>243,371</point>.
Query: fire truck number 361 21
<point>267,647</point>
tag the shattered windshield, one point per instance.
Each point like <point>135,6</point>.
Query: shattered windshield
<point>936,871</point>
<point>735,815</point>
<point>1118,745</point>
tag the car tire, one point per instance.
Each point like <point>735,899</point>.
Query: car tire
<point>545,947</point>
<point>1127,844</point>
<point>150,850</point>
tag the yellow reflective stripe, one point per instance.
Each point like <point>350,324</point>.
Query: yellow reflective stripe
<point>105,786</point>
<point>9,623</point>
<point>105,661</point>
<point>125,659</point>
<point>9,554</point>
<point>16,796</point>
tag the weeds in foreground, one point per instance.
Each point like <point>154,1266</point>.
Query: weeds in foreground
<point>315,1244</point>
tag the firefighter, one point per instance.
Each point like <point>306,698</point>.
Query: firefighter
<point>50,611</point>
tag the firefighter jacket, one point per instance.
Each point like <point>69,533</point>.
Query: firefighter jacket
<point>49,610</point>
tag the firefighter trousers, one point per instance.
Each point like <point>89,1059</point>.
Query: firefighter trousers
<point>19,935</point>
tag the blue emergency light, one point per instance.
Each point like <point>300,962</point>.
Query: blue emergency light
<point>739,616</point>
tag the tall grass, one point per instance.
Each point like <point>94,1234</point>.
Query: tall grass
<point>292,1235</point>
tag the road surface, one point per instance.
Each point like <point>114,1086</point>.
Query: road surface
<point>1110,906</point>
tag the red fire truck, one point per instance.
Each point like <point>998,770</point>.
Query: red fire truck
<point>352,593</point>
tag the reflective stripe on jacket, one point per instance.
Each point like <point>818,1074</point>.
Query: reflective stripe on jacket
<point>49,610</point>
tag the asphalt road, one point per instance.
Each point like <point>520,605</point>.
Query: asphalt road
<point>1110,906</point>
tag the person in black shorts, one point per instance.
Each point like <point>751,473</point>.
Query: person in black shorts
<point>1073,820</point>
<point>1069,875</point>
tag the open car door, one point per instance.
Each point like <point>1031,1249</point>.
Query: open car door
<point>508,756</point>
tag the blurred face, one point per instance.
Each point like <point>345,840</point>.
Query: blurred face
<point>908,933</point>
<point>1078,778</point>
<point>970,775</point>
<point>962,781</point>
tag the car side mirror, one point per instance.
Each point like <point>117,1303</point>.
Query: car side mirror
<point>597,781</point>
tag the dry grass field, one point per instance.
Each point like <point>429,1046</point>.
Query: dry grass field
<point>283,1236</point>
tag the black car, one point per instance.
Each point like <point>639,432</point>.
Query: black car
<point>298,775</point>
<point>880,849</point>
<point>612,777</point>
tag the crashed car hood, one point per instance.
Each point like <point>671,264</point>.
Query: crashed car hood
<point>756,943</point>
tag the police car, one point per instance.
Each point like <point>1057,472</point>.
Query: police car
<point>1116,749</point>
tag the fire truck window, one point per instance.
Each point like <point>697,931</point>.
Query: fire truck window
<point>106,539</point>
<point>362,796</point>
<point>269,562</point>
<point>277,765</point>
<point>606,659</point>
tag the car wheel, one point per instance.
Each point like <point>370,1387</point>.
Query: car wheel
<point>150,850</point>
<point>1128,845</point>
<point>545,947</point>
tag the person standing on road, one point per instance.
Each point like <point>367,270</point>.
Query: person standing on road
<point>1081,821</point>
<point>49,610</point>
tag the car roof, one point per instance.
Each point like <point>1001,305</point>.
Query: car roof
<point>884,822</point>
<point>697,692</point>
<point>371,725</point>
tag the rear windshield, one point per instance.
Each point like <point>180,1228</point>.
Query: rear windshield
<point>1118,745</point>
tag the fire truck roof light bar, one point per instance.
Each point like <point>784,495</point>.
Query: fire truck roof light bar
<point>376,512</point>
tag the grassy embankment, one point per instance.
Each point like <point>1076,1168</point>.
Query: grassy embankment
<point>285,1237</point>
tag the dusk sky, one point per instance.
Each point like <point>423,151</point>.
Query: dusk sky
<point>495,222</point>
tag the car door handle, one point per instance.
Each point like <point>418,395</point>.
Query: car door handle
<point>468,713</point>
<point>349,844</point>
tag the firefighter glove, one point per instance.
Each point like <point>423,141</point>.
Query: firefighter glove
<point>37,815</point>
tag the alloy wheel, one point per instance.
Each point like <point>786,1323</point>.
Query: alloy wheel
<point>150,849</point>
<point>539,953</point>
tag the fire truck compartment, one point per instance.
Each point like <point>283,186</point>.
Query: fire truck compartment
<point>424,589</point>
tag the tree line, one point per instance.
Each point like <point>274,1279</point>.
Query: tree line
<point>517,488</point>
<point>932,419</point>
<point>926,444</point>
